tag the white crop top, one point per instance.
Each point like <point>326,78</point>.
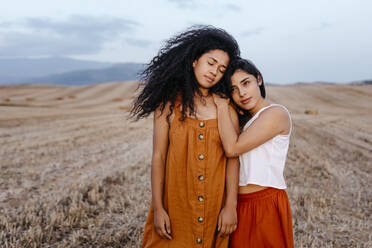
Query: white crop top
<point>264,165</point>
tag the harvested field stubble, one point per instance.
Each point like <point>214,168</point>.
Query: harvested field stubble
<point>77,173</point>
<point>95,213</point>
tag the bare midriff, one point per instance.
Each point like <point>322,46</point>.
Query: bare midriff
<point>250,188</point>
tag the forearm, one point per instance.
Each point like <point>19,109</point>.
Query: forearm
<point>159,155</point>
<point>157,183</point>
<point>226,129</point>
<point>232,182</point>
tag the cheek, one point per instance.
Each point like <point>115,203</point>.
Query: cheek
<point>197,72</point>
<point>235,97</point>
<point>219,76</point>
<point>257,90</point>
<point>252,89</point>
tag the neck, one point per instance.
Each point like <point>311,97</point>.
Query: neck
<point>260,104</point>
<point>205,92</point>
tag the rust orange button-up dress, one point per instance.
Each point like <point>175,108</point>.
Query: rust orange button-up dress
<point>194,186</point>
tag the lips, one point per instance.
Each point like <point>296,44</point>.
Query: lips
<point>245,101</point>
<point>209,79</point>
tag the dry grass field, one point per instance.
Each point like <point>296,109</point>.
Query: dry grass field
<point>74,172</point>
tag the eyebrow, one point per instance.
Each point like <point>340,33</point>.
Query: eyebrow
<point>215,60</point>
<point>247,78</point>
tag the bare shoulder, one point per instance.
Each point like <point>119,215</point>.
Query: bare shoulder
<point>277,115</point>
<point>163,112</point>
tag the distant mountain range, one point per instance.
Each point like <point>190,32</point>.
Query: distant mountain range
<point>66,71</point>
<point>118,72</point>
<point>366,82</point>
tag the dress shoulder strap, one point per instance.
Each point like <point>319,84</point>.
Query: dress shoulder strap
<point>177,108</point>
<point>255,116</point>
<point>260,111</point>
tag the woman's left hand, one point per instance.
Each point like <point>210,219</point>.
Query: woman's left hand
<point>227,221</point>
<point>220,101</point>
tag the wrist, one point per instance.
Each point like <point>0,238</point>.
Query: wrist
<point>158,208</point>
<point>157,205</point>
<point>231,204</point>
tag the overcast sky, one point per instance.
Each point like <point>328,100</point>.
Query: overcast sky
<point>290,41</point>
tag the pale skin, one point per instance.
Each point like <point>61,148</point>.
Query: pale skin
<point>208,69</point>
<point>271,122</point>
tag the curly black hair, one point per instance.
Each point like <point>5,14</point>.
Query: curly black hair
<point>170,74</point>
<point>249,67</point>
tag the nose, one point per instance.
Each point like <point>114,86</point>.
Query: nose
<point>242,91</point>
<point>214,70</point>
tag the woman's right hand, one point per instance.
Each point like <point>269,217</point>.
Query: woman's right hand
<point>162,223</point>
<point>220,101</point>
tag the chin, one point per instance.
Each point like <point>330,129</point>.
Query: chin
<point>247,106</point>
<point>207,85</point>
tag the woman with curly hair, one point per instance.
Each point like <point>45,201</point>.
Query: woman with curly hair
<point>191,204</point>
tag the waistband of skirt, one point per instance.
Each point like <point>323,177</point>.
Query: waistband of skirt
<point>259,194</point>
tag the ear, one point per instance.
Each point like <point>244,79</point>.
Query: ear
<point>259,80</point>
<point>194,63</point>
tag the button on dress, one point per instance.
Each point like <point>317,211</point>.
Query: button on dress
<point>194,187</point>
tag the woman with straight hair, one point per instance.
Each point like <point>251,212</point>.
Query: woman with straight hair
<point>264,215</point>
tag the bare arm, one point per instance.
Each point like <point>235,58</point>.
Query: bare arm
<point>272,121</point>
<point>232,169</point>
<point>228,217</point>
<point>160,148</point>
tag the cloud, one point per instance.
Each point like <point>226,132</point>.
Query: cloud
<point>321,26</point>
<point>78,35</point>
<point>28,45</point>
<point>218,7</point>
<point>5,24</point>
<point>252,32</point>
<point>232,7</point>
<point>184,3</point>
<point>138,42</point>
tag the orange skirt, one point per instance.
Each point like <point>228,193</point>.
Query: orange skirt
<point>264,220</point>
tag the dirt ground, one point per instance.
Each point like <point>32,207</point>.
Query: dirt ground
<point>74,172</point>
